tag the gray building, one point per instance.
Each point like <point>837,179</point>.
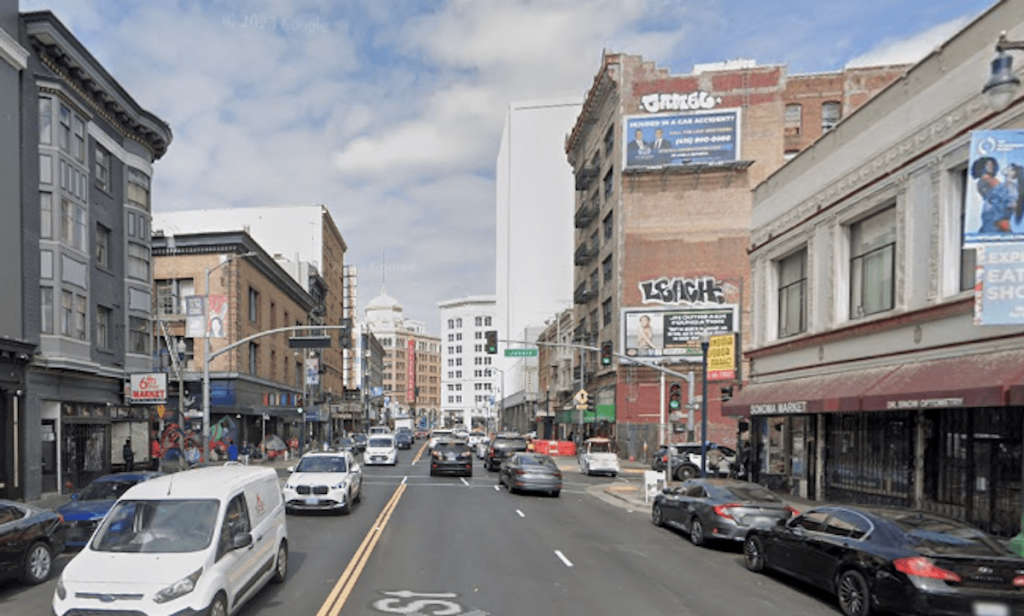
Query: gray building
<point>75,173</point>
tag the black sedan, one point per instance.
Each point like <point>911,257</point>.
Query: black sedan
<point>718,509</point>
<point>29,540</point>
<point>531,472</point>
<point>893,559</point>
<point>451,457</point>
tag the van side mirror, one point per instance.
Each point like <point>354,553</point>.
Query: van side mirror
<point>240,540</point>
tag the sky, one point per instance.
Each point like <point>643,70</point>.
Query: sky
<point>390,112</point>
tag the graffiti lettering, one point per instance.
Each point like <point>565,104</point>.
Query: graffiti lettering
<point>682,290</point>
<point>653,103</point>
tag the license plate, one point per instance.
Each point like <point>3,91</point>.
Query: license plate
<point>312,501</point>
<point>982,608</point>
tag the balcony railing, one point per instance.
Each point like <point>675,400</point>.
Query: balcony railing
<point>585,177</point>
<point>583,294</point>
<point>585,254</point>
<point>586,214</point>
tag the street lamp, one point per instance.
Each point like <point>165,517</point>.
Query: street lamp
<point>705,341</point>
<point>207,351</point>
<point>501,407</point>
<point>1002,84</point>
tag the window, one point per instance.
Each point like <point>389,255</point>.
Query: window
<point>479,348</point>
<point>138,188</point>
<point>254,356</point>
<point>813,521</point>
<point>73,224</point>
<point>254,305</point>
<point>45,169</point>
<point>139,336</point>
<point>487,321</point>
<point>78,144</point>
<point>102,247</point>
<point>64,136</point>
<point>609,227</point>
<point>138,261</point>
<point>45,121</point>
<point>872,256</point>
<point>793,119</point>
<point>102,327</point>
<point>67,301</point>
<point>608,183</point>
<point>479,321</point>
<point>102,159</point>
<point>80,320</point>
<point>46,215</point>
<point>273,316</point>
<point>451,323</point>
<point>171,294</point>
<point>968,256</point>
<point>606,311</point>
<point>46,307</point>
<point>793,294</point>
<point>606,269</point>
<point>830,115</point>
<point>458,322</point>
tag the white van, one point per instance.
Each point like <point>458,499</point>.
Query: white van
<point>380,449</point>
<point>202,541</point>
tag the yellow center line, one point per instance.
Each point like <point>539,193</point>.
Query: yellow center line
<point>339,594</point>
<point>419,453</point>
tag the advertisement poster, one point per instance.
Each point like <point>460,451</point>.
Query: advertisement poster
<point>693,138</point>
<point>999,285</point>
<point>194,321</point>
<point>148,388</point>
<point>665,333</point>
<point>722,358</point>
<point>312,371</point>
<point>994,207</point>
<point>217,314</point>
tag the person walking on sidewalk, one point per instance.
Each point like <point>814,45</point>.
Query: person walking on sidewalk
<point>128,455</point>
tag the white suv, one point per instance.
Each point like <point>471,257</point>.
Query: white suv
<point>324,481</point>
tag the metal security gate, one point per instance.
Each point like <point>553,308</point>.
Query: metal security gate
<point>869,458</point>
<point>84,454</point>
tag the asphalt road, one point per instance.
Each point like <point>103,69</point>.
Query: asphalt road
<point>447,546</point>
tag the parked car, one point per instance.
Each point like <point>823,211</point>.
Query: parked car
<point>711,508</point>
<point>83,514</point>
<point>203,541</point>
<point>501,447</point>
<point>360,440</point>
<point>403,440</point>
<point>451,456</point>
<point>324,481</point>
<point>381,449</point>
<point>686,460</point>
<point>30,538</point>
<point>897,560</point>
<point>530,472</point>
<point>597,455</point>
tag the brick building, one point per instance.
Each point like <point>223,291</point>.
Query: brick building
<point>664,168</point>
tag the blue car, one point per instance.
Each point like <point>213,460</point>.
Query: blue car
<point>87,508</point>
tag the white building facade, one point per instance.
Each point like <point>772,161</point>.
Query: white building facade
<point>467,375</point>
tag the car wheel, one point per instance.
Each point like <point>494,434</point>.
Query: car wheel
<point>753,553</point>
<point>38,564</point>
<point>218,607</point>
<point>359,494</point>
<point>696,532</point>
<point>656,516</point>
<point>686,471</point>
<point>346,508</point>
<point>853,593</point>
<point>281,566</point>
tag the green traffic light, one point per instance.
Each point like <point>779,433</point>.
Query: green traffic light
<point>673,404</point>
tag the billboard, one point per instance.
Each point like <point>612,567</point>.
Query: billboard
<point>999,285</point>
<point>677,139</point>
<point>674,332</point>
<point>994,204</point>
<point>147,388</point>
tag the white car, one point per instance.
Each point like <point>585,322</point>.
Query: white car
<point>438,434</point>
<point>324,481</point>
<point>597,455</point>
<point>380,449</point>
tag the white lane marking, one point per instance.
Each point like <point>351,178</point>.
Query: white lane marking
<point>405,479</point>
<point>521,514</point>
<point>497,489</point>
<point>464,481</point>
<point>565,560</point>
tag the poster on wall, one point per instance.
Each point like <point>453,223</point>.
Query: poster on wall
<point>674,332</point>
<point>677,139</point>
<point>999,285</point>
<point>994,202</point>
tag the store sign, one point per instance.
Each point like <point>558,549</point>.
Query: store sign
<point>779,408</point>
<point>147,388</point>
<point>924,403</point>
<point>722,358</point>
<point>653,103</point>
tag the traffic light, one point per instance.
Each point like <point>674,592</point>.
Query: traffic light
<point>606,353</point>
<point>492,342</point>
<point>675,396</point>
<point>727,393</point>
<point>590,405</point>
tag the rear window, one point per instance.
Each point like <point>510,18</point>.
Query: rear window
<point>381,442</point>
<point>456,447</point>
<point>510,443</point>
<point>537,461</point>
<point>753,492</point>
<point>944,535</point>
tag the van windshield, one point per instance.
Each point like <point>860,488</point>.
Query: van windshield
<point>157,526</point>
<point>381,442</point>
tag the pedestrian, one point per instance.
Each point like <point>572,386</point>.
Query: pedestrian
<point>128,455</point>
<point>232,450</point>
<point>244,453</point>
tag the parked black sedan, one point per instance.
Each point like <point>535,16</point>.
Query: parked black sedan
<point>893,559</point>
<point>718,509</point>
<point>30,538</point>
<point>530,472</point>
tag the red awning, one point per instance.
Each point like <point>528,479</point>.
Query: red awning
<point>838,392</point>
<point>983,379</point>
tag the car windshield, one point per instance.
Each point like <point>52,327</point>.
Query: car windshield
<point>105,490</point>
<point>380,442</point>
<point>361,438</point>
<point>157,526</point>
<point>600,447</point>
<point>321,464</point>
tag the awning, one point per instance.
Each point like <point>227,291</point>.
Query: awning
<point>838,392</point>
<point>983,379</point>
<point>979,380</point>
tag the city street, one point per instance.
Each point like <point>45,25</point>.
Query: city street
<point>448,545</point>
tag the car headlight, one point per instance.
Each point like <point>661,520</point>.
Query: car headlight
<point>178,589</point>
<point>60,591</point>
<point>341,484</point>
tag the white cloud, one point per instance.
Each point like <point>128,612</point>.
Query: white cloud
<point>910,50</point>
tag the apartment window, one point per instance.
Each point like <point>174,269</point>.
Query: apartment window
<point>608,183</point>
<point>594,280</point>
<point>254,305</point>
<point>872,258</point>
<point>451,323</point>
<point>45,169</point>
<point>102,247</point>
<point>64,136</point>
<point>968,256</point>
<point>606,269</point>
<point>45,121</point>
<point>606,311</point>
<point>794,117</point>
<point>46,306</point>
<point>139,336</point>
<point>479,321</point>
<point>793,294</point>
<point>458,322</point>
<point>479,348</point>
<point>138,261</point>
<point>273,316</point>
<point>487,321</point>
<point>46,215</point>
<point>67,307</point>
<point>102,327</point>
<point>609,228</point>
<point>609,140</point>
<point>78,139</point>
<point>102,160</point>
<point>138,188</point>
<point>830,115</point>
<point>171,294</point>
<point>254,356</point>
<point>80,320</point>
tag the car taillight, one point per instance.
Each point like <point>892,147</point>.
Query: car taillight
<point>792,512</point>
<point>924,567</point>
<point>558,475</point>
<point>521,472</point>
<point>1018,581</point>
<point>492,452</point>
<point>664,459</point>
<point>722,511</point>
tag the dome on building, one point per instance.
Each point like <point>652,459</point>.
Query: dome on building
<point>384,302</point>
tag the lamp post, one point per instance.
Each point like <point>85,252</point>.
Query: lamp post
<point>501,403</point>
<point>705,341</point>
<point>1002,84</point>
<point>207,351</point>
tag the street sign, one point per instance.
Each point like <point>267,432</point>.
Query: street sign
<point>581,398</point>
<point>520,352</point>
<point>309,342</point>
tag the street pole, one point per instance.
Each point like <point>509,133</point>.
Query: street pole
<point>704,343</point>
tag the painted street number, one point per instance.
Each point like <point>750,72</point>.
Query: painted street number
<point>415,603</point>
